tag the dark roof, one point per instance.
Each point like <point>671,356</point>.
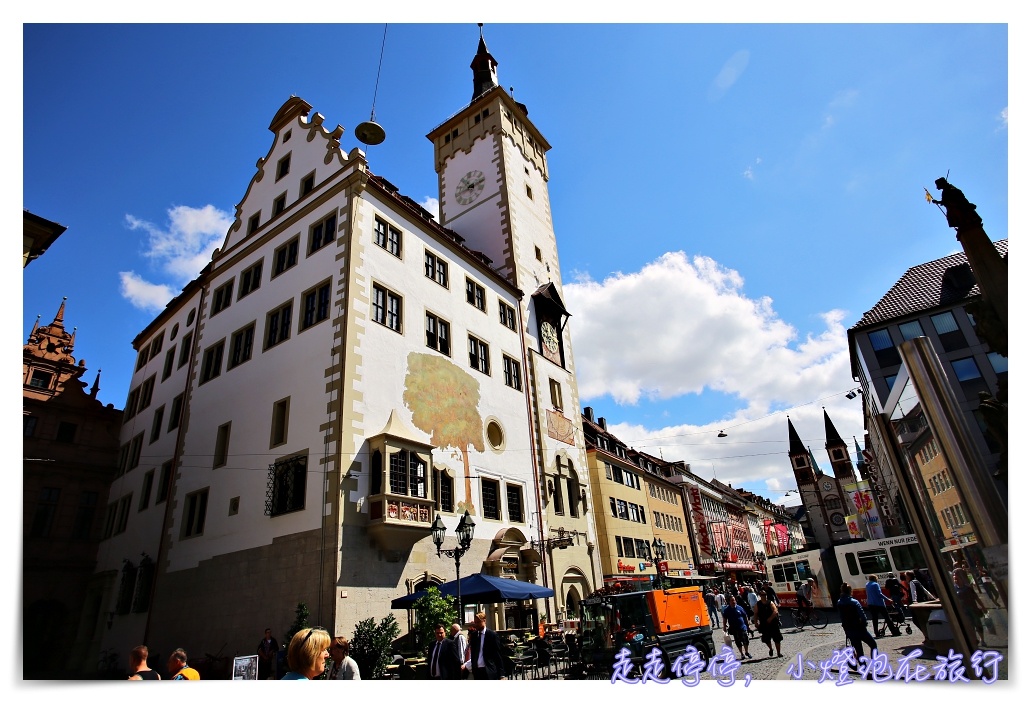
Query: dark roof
<point>945,282</point>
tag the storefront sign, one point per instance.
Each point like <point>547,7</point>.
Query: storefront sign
<point>625,568</point>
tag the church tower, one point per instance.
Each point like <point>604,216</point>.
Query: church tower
<point>837,450</point>
<point>492,174</point>
<point>821,494</point>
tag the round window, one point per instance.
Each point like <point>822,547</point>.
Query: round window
<point>495,435</point>
<point>175,332</point>
<point>191,317</point>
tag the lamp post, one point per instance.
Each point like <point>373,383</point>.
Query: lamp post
<point>658,547</point>
<point>464,532</point>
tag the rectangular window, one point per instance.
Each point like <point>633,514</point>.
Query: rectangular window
<point>109,515</point>
<point>222,298</point>
<point>279,205</point>
<point>176,414</point>
<point>307,185</point>
<point>883,347</point>
<point>141,360</point>
<point>388,237</point>
<point>948,331</point>
<point>322,233</point>
<point>46,508</point>
<point>443,491</point>
<point>438,334</point>
<point>222,445</point>
<point>135,449</point>
<point>28,425</point>
<point>123,514</point>
<point>242,346</point>
<point>156,344</point>
<point>254,223</point>
<point>966,369</point>
<point>514,503</point>
<point>250,280</point>
<point>283,167</point>
<point>169,364</point>
<point>157,424</point>
<point>41,379</point>
<point>999,363</point>
<point>507,313</point>
<point>436,268</point>
<point>556,400</point>
<point>194,512</point>
<point>212,367</point>
<point>287,480</point>
<point>491,508</point>
<point>316,305</point>
<point>277,325</point>
<point>627,546</point>
<point>475,295</point>
<point>910,330</point>
<point>386,307</point>
<point>66,432</point>
<point>83,529</point>
<point>184,350</point>
<point>512,373</point>
<point>146,393</point>
<point>144,495</point>
<point>164,482</point>
<point>285,257</point>
<point>280,422</point>
<point>618,546</point>
<point>479,355</point>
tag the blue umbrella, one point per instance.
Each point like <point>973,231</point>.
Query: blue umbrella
<point>479,588</point>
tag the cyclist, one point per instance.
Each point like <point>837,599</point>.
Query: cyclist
<point>805,595</point>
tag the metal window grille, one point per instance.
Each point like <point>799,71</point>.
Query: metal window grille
<point>287,480</point>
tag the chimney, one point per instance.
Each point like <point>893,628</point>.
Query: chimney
<point>588,412</point>
<point>603,424</point>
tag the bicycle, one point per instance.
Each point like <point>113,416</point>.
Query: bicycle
<point>808,615</point>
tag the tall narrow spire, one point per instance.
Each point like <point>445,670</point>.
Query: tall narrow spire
<point>96,386</point>
<point>35,328</point>
<point>484,68</point>
<point>59,317</point>
<point>832,437</point>
<point>796,446</point>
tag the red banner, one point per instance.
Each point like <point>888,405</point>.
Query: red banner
<point>782,537</point>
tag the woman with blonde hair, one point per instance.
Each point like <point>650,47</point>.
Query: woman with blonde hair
<point>343,666</point>
<point>307,653</point>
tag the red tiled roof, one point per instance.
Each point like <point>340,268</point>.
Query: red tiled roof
<point>941,283</point>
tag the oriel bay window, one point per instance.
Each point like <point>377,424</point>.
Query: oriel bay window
<point>407,474</point>
<point>404,490</point>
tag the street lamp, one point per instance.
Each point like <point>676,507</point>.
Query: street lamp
<point>464,533</point>
<point>658,547</point>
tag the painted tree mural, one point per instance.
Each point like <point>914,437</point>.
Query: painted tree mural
<point>444,403</point>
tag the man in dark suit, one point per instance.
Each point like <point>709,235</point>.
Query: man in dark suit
<point>487,661</point>
<point>444,661</point>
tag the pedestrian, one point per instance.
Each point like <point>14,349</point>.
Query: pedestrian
<point>444,659</point>
<point>988,585</point>
<point>877,604</point>
<point>749,612</point>
<point>461,642</point>
<point>138,665</point>
<point>752,598</point>
<point>713,607</point>
<point>178,667</point>
<point>767,620</point>
<point>773,597</point>
<point>970,605</point>
<point>267,648</point>
<point>342,666</point>
<point>892,586</point>
<point>734,622</point>
<point>485,646</point>
<point>307,653</point>
<point>917,592</point>
<point>854,621</point>
<point>720,600</point>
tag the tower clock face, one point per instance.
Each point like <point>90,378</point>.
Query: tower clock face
<point>827,486</point>
<point>837,518</point>
<point>549,336</point>
<point>469,187</point>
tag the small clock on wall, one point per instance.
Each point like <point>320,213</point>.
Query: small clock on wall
<point>549,341</point>
<point>827,486</point>
<point>837,518</point>
<point>469,187</point>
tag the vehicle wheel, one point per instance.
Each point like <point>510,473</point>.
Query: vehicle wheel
<point>795,616</point>
<point>818,619</point>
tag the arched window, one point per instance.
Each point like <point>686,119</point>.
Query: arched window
<point>573,484</point>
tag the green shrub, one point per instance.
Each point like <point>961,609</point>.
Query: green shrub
<point>430,609</point>
<point>371,644</point>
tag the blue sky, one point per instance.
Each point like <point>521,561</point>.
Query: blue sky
<point>728,198</point>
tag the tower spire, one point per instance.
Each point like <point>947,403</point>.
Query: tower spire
<point>484,68</point>
<point>96,386</point>
<point>59,317</point>
<point>832,437</point>
<point>796,446</point>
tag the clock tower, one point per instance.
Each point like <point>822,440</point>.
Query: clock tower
<point>492,175</point>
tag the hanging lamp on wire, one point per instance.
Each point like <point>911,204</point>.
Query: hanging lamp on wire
<point>369,132</point>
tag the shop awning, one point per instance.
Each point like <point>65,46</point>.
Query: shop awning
<point>479,588</point>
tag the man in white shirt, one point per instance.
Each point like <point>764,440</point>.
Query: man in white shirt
<point>463,645</point>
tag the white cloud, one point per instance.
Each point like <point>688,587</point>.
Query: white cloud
<point>143,295</point>
<point>432,205</point>
<point>703,335</point>
<point>729,74</point>
<point>1003,117</point>
<point>179,250</point>
<point>749,174</point>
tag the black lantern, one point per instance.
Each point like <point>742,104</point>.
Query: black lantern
<point>466,528</point>
<point>658,549</point>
